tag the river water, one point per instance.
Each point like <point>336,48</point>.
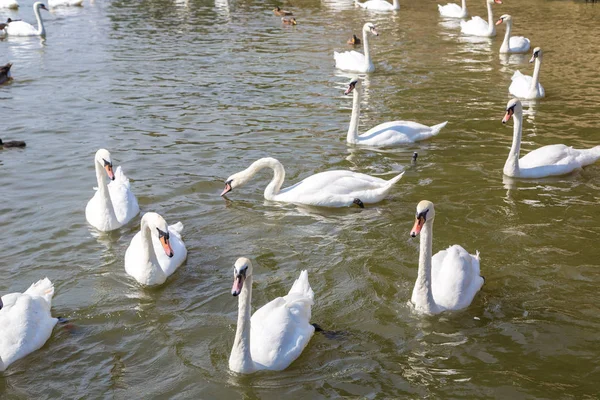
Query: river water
<point>186,93</point>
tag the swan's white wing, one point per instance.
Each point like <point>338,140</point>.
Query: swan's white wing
<point>520,84</point>
<point>475,26</point>
<point>556,159</point>
<point>26,325</point>
<point>170,264</point>
<point>519,44</point>
<point>451,10</point>
<point>349,60</point>
<point>124,201</point>
<point>455,278</point>
<point>380,5</point>
<point>280,330</point>
<point>398,132</point>
<point>21,28</point>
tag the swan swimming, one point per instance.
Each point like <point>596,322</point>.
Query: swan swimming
<point>278,332</point>
<point>26,321</point>
<point>327,189</point>
<point>556,159</point>
<point>452,10</point>
<point>512,44</point>
<point>525,86</point>
<point>156,251</point>
<point>355,61</point>
<point>388,133</point>
<point>379,5</point>
<point>477,26</point>
<point>450,279</point>
<point>21,28</point>
<point>113,204</point>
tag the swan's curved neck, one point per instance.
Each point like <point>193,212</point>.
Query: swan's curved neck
<point>491,26</point>
<point>240,359</point>
<point>148,253</point>
<point>511,167</point>
<point>396,4</point>
<point>352,136</point>
<point>41,30</point>
<point>274,186</point>
<point>102,180</point>
<point>424,296</point>
<point>505,43</point>
<point>366,49</point>
<point>536,75</point>
<point>464,6</point>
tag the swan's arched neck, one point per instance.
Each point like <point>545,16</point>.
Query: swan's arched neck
<point>536,75</point>
<point>396,4</point>
<point>352,136</point>
<point>102,180</point>
<point>511,167</point>
<point>368,61</point>
<point>464,7</point>
<point>423,295</point>
<point>148,253</point>
<point>41,31</point>
<point>240,359</point>
<point>274,186</point>
<point>504,48</point>
<point>491,26</point>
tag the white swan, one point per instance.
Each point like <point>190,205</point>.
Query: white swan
<point>327,189</point>
<point>156,251</point>
<point>452,10</point>
<point>355,61</point>
<point>13,4</point>
<point>556,159</point>
<point>113,205</point>
<point>277,332</point>
<point>26,321</point>
<point>65,3</point>
<point>21,28</point>
<point>379,5</point>
<point>512,44</point>
<point>477,25</point>
<point>525,86</point>
<point>450,279</point>
<point>388,133</point>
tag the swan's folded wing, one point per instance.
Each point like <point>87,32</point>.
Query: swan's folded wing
<point>474,25</point>
<point>348,59</point>
<point>124,201</point>
<point>398,132</point>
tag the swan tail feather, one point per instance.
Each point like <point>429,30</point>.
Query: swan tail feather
<point>435,129</point>
<point>177,229</point>
<point>302,287</point>
<point>395,179</point>
<point>477,255</point>
<point>43,288</point>
<point>120,177</point>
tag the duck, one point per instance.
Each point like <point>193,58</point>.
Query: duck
<point>5,73</point>
<point>26,322</point>
<point>12,4</point>
<point>278,332</point>
<point>113,204</point>
<point>288,21</point>
<point>156,251</point>
<point>325,189</point>
<point>551,160</point>
<point>525,86</point>
<point>281,13</point>
<point>452,10</point>
<point>65,3</point>
<point>379,5</point>
<point>355,61</point>
<point>353,40</point>
<point>477,26</point>
<point>512,44</point>
<point>389,133</point>
<point>12,143</point>
<point>450,279</point>
<point>21,28</point>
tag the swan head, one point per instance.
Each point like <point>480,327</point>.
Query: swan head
<point>235,180</point>
<point>242,269</point>
<point>425,212</point>
<point>103,158</point>
<point>505,18</point>
<point>370,27</point>
<point>41,5</point>
<point>351,85</point>
<point>513,107</point>
<point>158,226</point>
<point>537,53</point>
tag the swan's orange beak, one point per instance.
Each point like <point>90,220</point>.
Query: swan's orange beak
<point>109,171</point>
<point>498,1</point>
<point>419,222</point>
<point>507,116</point>
<point>227,188</point>
<point>238,283</point>
<point>166,246</point>
<point>532,59</point>
<point>350,88</point>
<point>499,21</point>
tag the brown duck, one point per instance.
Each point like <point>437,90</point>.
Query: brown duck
<point>5,73</point>
<point>281,13</point>
<point>12,143</point>
<point>353,40</point>
<point>288,21</point>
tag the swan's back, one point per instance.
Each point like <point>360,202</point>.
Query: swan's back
<point>26,321</point>
<point>455,278</point>
<point>21,28</point>
<point>281,329</point>
<point>475,26</point>
<point>451,10</point>
<point>556,159</point>
<point>350,61</point>
<point>398,132</point>
<point>519,44</point>
<point>124,201</point>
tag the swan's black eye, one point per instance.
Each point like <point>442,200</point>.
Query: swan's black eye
<point>423,214</point>
<point>162,234</point>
